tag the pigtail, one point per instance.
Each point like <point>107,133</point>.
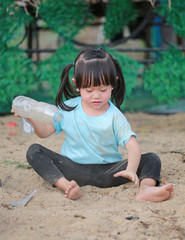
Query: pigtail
<point>66,90</point>
<point>118,93</point>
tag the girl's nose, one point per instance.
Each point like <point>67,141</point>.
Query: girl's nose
<point>96,94</point>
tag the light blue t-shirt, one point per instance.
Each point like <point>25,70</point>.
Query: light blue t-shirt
<point>93,140</point>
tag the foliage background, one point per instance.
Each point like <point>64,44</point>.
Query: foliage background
<point>19,75</point>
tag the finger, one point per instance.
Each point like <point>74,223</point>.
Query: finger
<point>122,174</point>
<point>133,179</point>
<point>16,115</point>
<point>136,181</point>
<point>119,174</point>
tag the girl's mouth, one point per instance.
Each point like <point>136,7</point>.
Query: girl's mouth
<point>96,103</point>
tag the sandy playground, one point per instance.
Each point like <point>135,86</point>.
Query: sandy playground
<point>111,213</point>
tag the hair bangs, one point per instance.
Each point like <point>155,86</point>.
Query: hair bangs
<point>95,73</point>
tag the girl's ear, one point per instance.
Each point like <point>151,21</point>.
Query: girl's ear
<point>74,81</point>
<point>116,81</point>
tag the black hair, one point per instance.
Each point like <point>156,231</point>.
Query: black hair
<point>92,67</point>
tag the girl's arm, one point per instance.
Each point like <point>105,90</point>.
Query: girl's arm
<point>42,130</point>
<point>134,156</point>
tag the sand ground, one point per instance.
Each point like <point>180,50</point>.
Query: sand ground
<point>111,213</point>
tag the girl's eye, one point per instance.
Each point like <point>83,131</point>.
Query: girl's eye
<point>103,90</point>
<point>89,91</point>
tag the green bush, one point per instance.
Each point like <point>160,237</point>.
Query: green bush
<point>64,17</point>
<point>118,14</point>
<point>50,70</point>
<point>174,16</point>
<point>12,18</point>
<point>16,75</point>
<point>130,69</point>
<point>19,75</point>
<point>166,79</point>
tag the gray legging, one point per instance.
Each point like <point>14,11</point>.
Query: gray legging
<point>51,166</point>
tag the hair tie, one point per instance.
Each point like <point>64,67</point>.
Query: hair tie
<point>97,50</point>
<point>99,53</point>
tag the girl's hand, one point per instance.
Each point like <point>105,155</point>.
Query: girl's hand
<point>16,115</point>
<point>130,175</point>
<point>42,130</point>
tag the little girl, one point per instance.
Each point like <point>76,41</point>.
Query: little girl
<point>94,129</point>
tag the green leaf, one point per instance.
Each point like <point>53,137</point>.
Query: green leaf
<point>165,79</point>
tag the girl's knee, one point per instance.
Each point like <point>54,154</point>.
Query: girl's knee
<point>155,158</point>
<point>32,150</point>
<point>152,157</point>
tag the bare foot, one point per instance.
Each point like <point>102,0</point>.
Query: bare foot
<point>155,194</point>
<point>73,191</point>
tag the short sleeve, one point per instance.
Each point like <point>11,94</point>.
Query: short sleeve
<point>123,132</point>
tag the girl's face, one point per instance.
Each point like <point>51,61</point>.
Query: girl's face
<point>95,99</point>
